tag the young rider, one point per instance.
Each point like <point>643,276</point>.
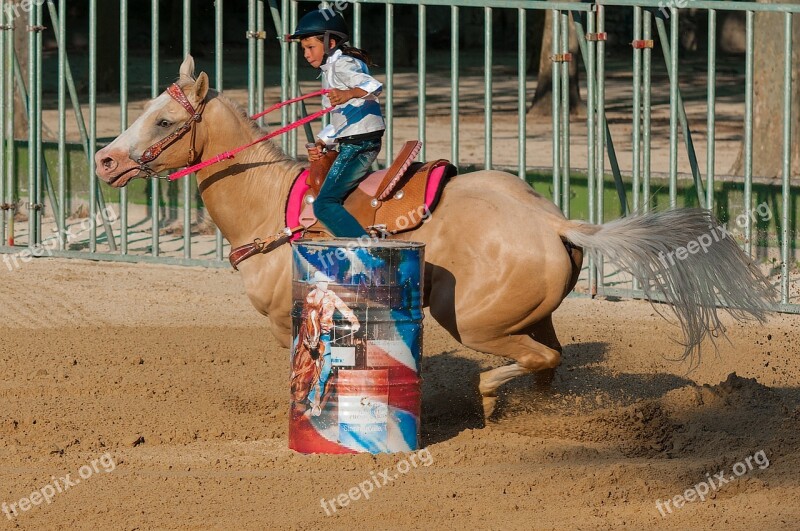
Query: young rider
<point>356,124</point>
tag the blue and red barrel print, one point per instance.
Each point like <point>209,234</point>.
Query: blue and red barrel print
<point>357,342</point>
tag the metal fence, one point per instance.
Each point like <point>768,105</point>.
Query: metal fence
<point>124,228</point>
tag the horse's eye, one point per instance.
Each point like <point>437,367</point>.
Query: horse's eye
<point>164,123</point>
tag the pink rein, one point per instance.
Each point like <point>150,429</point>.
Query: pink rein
<point>233,152</point>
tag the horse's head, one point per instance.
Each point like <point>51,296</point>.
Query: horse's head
<point>166,136</point>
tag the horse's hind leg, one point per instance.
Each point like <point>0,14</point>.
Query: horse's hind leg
<point>534,351</point>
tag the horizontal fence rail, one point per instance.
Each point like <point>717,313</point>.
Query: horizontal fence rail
<point>643,134</point>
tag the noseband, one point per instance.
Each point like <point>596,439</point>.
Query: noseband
<point>153,152</point>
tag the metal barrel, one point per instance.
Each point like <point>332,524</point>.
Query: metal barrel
<point>356,346</point>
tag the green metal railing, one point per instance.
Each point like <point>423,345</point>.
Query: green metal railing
<point>124,241</point>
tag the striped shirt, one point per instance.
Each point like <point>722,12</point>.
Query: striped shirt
<point>359,115</point>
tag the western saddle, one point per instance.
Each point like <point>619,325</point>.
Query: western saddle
<point>387,202</point>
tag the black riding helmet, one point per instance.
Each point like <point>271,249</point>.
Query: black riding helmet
<point>323,23</point>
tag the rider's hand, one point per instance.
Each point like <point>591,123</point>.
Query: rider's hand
<point>315,153</point>
<point>339,97</point>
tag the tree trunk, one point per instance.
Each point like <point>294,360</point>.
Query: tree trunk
<point>536,21</point>
<point>542,99</point>
<point>768,97</point>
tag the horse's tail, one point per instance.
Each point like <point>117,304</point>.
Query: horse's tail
<point>686,258</point>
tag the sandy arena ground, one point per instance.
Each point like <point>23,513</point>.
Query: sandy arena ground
<point>172,375</point>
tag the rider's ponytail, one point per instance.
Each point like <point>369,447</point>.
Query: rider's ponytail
<point>358,54</point>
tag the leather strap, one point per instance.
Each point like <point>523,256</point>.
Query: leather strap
<point>153,152</point>
<point>259,246</point>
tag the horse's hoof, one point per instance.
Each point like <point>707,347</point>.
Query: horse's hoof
<point>489,403</point>
<point>484,388</point>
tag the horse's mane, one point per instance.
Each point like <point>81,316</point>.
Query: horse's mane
<point>273,171</point>
<point>274,152</point>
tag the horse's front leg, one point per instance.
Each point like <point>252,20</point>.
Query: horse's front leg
<point>281,327</point>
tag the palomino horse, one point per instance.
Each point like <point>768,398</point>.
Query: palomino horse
<point>500,257</point>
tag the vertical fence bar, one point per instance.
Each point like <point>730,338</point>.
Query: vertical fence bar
<point>787,155</point>
<point>284,70</point>
<point>522,92</point>
<point>647,57</point>
<point>293,82</point>
<point>3,72</point>
<point>600,152</point>
<point>591,85</point>
<point>637,105</point>
<point>637,115</point>
<point>40,162</point>
<point>251,57</point>
<point>123,115</point>
<point>487,95</point>
<point>155,193</point>
<point>11,159</point>
<point>454,81</point>
<point>93,126</point>
<point>565,177</point>
<point>260,60</point>
<point>219,85</point>
<point>673,109</point>
<point>711,107</point>
<point>389,83</point>
<point>556,93</point>
<point>187,182</point>
<point>748,135</point>
<point>32,140</point>
<point>44,179</point>
<point>357,25</point>
<point>219,65</point>
<point>422,30</point>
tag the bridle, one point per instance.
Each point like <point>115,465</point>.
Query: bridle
<point>153,152</point>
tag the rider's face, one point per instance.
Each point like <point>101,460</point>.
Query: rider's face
<point>322,286</point>
<point>314,50</point>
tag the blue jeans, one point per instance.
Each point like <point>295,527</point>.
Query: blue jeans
<point>325,373</point>
<point>347,171</point>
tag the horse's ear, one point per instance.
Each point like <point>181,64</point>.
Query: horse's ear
<point>200,90</point>
<point>187,69</point>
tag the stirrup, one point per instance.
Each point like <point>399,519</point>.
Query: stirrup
<point>378,231</point>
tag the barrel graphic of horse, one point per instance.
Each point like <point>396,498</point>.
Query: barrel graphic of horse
<point>357,342</point>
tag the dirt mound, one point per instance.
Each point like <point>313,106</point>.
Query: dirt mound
<point>698,420</point>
